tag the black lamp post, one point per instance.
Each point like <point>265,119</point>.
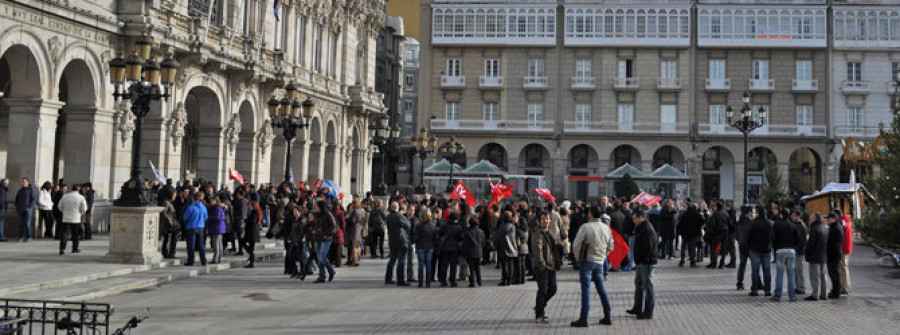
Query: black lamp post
<point>423,146</point>
<point>746,125</point>
<point>452,151</point>
<point>143,77</point>
<point>291,115</point>
<point>385,136</point>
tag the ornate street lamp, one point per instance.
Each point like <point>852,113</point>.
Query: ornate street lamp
<point>746,125</point>
<point>385,137</point>
<point>452,150</point>
<point>423,146</point>
<point>143,77</point>
<point>289,115</point>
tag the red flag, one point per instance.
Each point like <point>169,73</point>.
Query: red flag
<point>341,196</point>
<point>300,184</point>
<point>319,183</point>
<point>499,191</point>
<point>620,250</point>
<point>461,192</point>
<point>647,199</point>
<point>234,175</point>
<point>545,194</point>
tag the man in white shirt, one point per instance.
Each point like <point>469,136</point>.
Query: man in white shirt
<point>591,247</point>
<point>73,206</point>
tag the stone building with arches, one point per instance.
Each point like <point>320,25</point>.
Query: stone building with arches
<point>58,118</point>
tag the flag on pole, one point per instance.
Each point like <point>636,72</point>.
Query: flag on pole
<point>620,250</point>
<point>461,192</point>
<point>333,188</point>
<point>647,199</point>
<point>159,177</point>
<point>276,10</point>
<point>234,175</point>
<point>545,193</point>
<point>500,191</point>
<point>857,210</point>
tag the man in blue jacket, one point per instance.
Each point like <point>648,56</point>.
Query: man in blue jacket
<point>194,219</point>
<point>25,200</point>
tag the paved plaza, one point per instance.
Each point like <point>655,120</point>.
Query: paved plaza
<point>689,301</point>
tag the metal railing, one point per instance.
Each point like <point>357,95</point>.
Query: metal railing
<point>51,317</point>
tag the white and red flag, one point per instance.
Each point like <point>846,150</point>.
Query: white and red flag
<point>545,193</point>
<point>647,199</point>
<point>234,175</point>
<point>461,192</point>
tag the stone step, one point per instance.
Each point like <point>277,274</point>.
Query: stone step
<point>112,285</point>
<point>269,246</point>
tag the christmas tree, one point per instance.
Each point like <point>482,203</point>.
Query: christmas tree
<point>627,187</point>
<point>773,190</point>
<point>881,224</point>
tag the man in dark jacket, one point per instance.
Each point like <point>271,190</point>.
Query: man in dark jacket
<point>25,200</point>
<point>833,253</point>
<point>4,188</point>
<point>398,236</point>
<point>88,192</point>
<point>689,227</point>
<point>760,243</point>
<point>667,229</point>
<point>472,243</point>
<point>785,239</point>
<point>797,220</point>
<point>728,243</point>
<point>450,236</point>
<point>716,231</point>
<point>376,229</point>
<point>816,248</point>
<point>645,264</point>
<point>743,237</point>
<point>505,241</point>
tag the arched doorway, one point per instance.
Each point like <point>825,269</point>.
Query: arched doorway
<point>202,146</point>
<point>718,174</point>
<point>20,81</point>
<point>583,161</point>
<point>625,154</point>
<point>331,152</point>
<point>494,153</point>
<point>73,148</point>
<point>245,156</point>
<point>758,160</point>
<point>804,172</point>
<point>669,155</point>
<point>534,160</point>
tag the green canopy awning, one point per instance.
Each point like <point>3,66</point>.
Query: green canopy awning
<point>443,167</point>
<point>668,172</point>
<point>625,169</point>
<point>484,167</point>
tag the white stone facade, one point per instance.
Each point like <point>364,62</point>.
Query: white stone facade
<point>58,118</point>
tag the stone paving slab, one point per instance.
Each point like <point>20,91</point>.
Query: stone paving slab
<point>689,301</point>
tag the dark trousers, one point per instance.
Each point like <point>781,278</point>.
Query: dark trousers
<point>715,249</point>
<point>376,239</point>
<point>728,247</point>
<point>249,245</point>
<point>474,270</point>
<point>742,266</point>
<point>45,218</point>
<point>87,226</point>
<point>689,246</point>
<point>65,231</point>
<point>546,282</point>
<point>835,275</point>
<point>506,269</point>
<point>294,255</point>
<point>398,258</point>
<point>448,266</point>
<point>169,242</point>
<point>519,270</point>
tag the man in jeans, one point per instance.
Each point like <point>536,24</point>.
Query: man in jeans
<point>194,220</point>
<point>645,262</point>
<point>25,200</point>
<point>591,247</point>
<point>785,239</point>
<point>797,219</point>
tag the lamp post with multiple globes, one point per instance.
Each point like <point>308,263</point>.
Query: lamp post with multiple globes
<point>423,146</point>
<point>289,115</point>
<point>746,124</point>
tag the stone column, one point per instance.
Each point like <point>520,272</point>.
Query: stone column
<point>211,155</point>
<point>301,160</point>
<point>320,164</point>
<point>30,140</point>
<point>332,162</point>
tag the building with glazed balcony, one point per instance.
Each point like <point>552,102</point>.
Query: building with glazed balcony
<point>570,88</point>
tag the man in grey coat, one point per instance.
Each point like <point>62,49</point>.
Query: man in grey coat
<point>398,236</point>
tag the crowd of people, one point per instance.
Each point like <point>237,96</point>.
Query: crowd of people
<point>433,240</point>
<point>64,213</point>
